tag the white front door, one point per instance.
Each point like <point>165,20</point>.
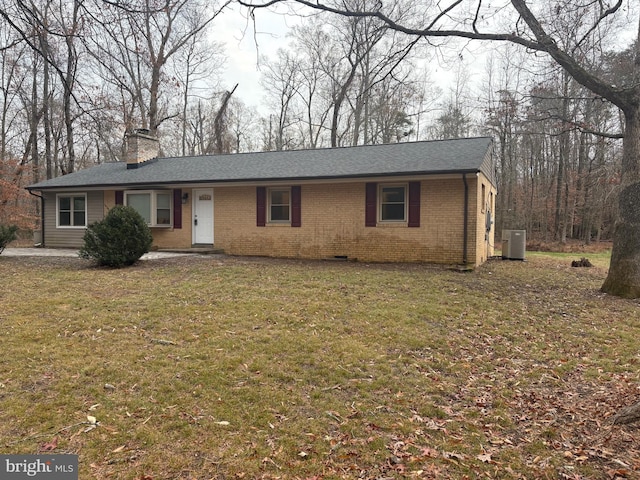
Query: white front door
<point>203,216</point>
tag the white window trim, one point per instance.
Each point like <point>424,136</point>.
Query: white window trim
<point>278,189</point>
<point>406,203</point>
<point>154,205</point>
<point>86,208</point>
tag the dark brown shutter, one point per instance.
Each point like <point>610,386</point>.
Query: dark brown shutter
<point>119,197</point>
<point>296,211</point>
<point>261,206</point>
<point>371,206</point>
<point>414,204</point>
<point>177,208</point>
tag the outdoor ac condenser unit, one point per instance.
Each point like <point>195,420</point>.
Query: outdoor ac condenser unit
<point>514,244</point>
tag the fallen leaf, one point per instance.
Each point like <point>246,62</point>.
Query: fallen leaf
<point>223,422</point>
<point>92,420</point>
<point>453,455</point>
<point>430,452</point>
<point>118,450</point>
<point>47,447</point>
<point>485,457</point>
<point>621,472</point>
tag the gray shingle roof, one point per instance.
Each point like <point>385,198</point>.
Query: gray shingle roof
<point>413,158</point>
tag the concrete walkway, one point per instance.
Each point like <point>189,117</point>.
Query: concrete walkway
<point>64,252</point>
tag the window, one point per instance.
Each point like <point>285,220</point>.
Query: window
<point>399,204</point>
<point>153,205</point>
<point>393,203</point>
<point>163,209</point>
<point>72,210</point>
<point>279,205</point>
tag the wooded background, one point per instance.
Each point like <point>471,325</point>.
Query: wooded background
<point>76,76</point>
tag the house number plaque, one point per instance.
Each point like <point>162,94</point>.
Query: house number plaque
<point>204,197</point>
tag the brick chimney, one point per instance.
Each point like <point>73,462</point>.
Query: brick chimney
<point>141,147</point>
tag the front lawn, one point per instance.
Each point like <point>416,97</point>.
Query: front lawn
<point>224,368</point>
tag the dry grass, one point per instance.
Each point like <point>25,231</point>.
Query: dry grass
<point>253,368</point>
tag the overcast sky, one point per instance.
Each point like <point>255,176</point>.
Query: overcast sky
<point>244,45</point>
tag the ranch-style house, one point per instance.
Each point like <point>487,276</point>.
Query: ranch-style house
<point>428,201</point>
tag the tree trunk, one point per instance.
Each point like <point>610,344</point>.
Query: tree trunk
<point>154,92</point>
<point>219,128</point>
<point>563,159</point>
<point>337,103</point>
<point>34,119</point>
<point>68,84</point>
<point>46,117</point>
<point>185,100</point>
<point>624,271</point>
<point>627,415</point>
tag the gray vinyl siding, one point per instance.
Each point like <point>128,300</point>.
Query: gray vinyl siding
<point>69,237</point>
<point>488,167</point>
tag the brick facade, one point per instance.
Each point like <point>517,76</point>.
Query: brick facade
<point>333,224</point>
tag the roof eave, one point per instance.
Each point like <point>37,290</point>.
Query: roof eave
<point>31,188</point>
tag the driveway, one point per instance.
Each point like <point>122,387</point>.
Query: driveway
<point>63,252</point>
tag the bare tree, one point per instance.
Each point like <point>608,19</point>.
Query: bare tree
<point>242,123</point>
<point>455,120</point>
<point>195,67</point>
<point>221,124</point>
<point>334,80</point>
<point>53,30</point>
<point>142,39</point>
<point>281,79</point>
<point>314,47</point>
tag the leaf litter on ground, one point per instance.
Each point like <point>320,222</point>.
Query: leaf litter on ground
<point>322,370</point>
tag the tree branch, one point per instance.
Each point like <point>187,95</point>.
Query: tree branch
<point>570,64</point>
<point>543,42</point>
<point>603,15</point>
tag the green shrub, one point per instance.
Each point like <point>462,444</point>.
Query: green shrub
<point>120,239</point>
<point>7,235</point>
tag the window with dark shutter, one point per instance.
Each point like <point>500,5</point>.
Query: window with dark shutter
<point>119,197</point>
<point>371,205</point>
<point>261,206</point>
<point>153,205</point>
<point>414,204</point>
